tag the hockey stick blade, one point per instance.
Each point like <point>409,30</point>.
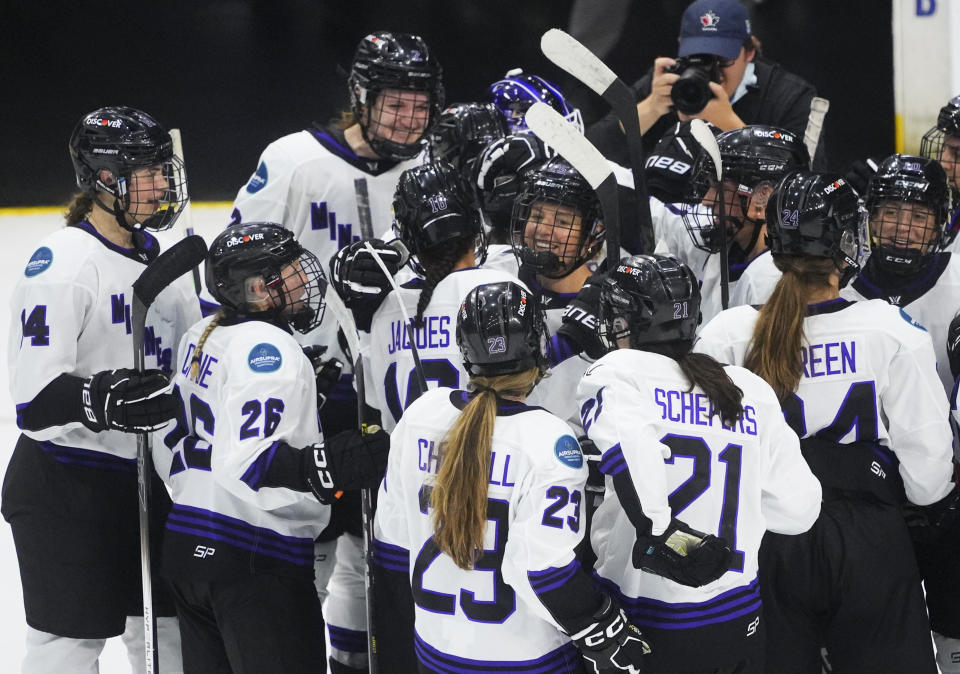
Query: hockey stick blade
<point>563,137</point>
<point>168,267</point>
<point>703,135</point>
<point>570,55</point>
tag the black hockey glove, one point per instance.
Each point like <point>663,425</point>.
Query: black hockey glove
<point>579,325</point>
<point>953,346</point>
<point>360,281</point>
<point>327,371</point>
<point>928,524</point>
<point>499,167</point>
<point>859,174</point>
<point>683,555</point>
<point>347,461</point>
<point>611,643</point>
<point>127,400</point>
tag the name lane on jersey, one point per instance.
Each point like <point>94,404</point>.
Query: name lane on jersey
<point>435,334</point>
<point>500,474</point>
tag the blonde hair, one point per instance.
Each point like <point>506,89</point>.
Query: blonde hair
<point>775,350</point>
<point>459,496</point>
<point>198,352</point>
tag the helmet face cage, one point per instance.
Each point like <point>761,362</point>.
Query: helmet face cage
<point>556,224</point>
<point>648,299</point>
<point>125,154</point>
<point>501,329</point>
<point>517,91</point>
<point>909,204</point>
<point>396,93</point>
<point>432,206</point>
<point>818,215</point>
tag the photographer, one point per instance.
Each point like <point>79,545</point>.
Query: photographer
<point>744,88</point>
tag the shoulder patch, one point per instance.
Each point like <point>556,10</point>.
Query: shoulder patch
<point>909,319</point>
<point>259,179</point>
<point>39,262</point>
<point>264,358</point>
<point>567,450</point>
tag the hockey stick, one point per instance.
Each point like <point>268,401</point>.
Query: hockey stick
<point>559,134</point>
<point>186,217</point>
<point>167,268</point>
<point>568,53</point>
<point>811,135</point>
<point>703,135</point>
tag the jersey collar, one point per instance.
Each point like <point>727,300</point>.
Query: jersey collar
<point>828,307</point>
<point>872,285</point>
<point>548,299</point>
<point>143,255</point>
<point>332,139</point>
<point>505,408</point>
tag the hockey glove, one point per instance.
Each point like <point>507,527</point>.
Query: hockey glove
<point>928,524</point>
<point>684,555</point>
<point>127,400</point>
<point>326,371</point>
<point>360,281</point>
<point>610,643</point>
<point>953,346</point>
<point>579,325</point>
<point>347,461</point>
<point>859,174</point>
<point>500,165</point>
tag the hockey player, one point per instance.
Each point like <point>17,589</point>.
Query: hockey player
<point>313,181</point>
<point>942,142</point>
<point>665,420</point>
<point>754,159</point>
<point>516,91</point>
<point>252,475</point>
<point>462,133</point>
<point>857,382</point>
<point>480,513</point>
<point>70,491</point>
<point>909,204</point>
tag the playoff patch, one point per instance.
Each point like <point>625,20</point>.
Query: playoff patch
<point>258,180</point>
<point>264,358</point>
<point>567,450</point>
<point>39,262</point>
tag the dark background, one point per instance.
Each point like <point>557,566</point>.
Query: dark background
<point>236,74</point>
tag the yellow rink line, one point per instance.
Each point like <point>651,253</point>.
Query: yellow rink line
<point>46,210</point>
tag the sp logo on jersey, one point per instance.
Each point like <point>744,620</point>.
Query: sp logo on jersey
<point>264,358</point>
<point>567,451</point>
<point>258,180</point>
<point>39,262</point>
<point>203,551</point>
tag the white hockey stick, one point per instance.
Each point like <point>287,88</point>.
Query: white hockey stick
<point>568,53</point>
<point>558,133</point>
<point>703,135</point>
<point>186,217</point>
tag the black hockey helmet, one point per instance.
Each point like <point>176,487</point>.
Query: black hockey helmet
<point>669,168</point>
<point>752,156</point>
<point>900,193</point>
<point>244,253</point>
<point>399,61</point>
<point>108,146</point>
<point>462,132</point>
<point>818,215</point>
<point>948,124</point>
<point>516,91</point>
<point>433,206</point>
<point>651,299</point>
<point>501,329</point>
<point>557,223</point>
<point>498,174</point>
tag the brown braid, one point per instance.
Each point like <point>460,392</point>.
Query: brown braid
<point>79,208</point>
<point>198,353</point>
<point>438,262</point>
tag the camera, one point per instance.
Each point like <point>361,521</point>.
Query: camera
<point>691,93</point>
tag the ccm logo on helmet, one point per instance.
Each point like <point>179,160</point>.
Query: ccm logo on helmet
<point>237,240</point>
<point>100,121</point>
<point>774,134</point>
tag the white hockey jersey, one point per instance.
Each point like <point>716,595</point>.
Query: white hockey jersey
<point>756,283</point>
<point>389,375</point>
<point>307,182</point>
<point>489,618</point>
<point>255,389</point>
<point>868,375</point>
<point>683,462</point>
<point>70,314</point>
<point>673,238</point>
<point>932,300</point>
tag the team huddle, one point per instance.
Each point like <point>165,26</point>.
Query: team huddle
<point>421,410</point>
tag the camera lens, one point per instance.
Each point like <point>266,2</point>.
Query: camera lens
<point>691,93</point>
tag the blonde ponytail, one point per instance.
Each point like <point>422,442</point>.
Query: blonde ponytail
<point>198,352</point>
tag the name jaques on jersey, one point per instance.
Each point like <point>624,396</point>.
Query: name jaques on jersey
<point>73,304</point>
<point>254,388</point>
<point>306,181</point>
<point>733,481</point>
<point>535,493</point>
<point>869,375</point>
<point>390,378</point>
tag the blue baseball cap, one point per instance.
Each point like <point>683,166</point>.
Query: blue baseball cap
<point>717,27</point>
